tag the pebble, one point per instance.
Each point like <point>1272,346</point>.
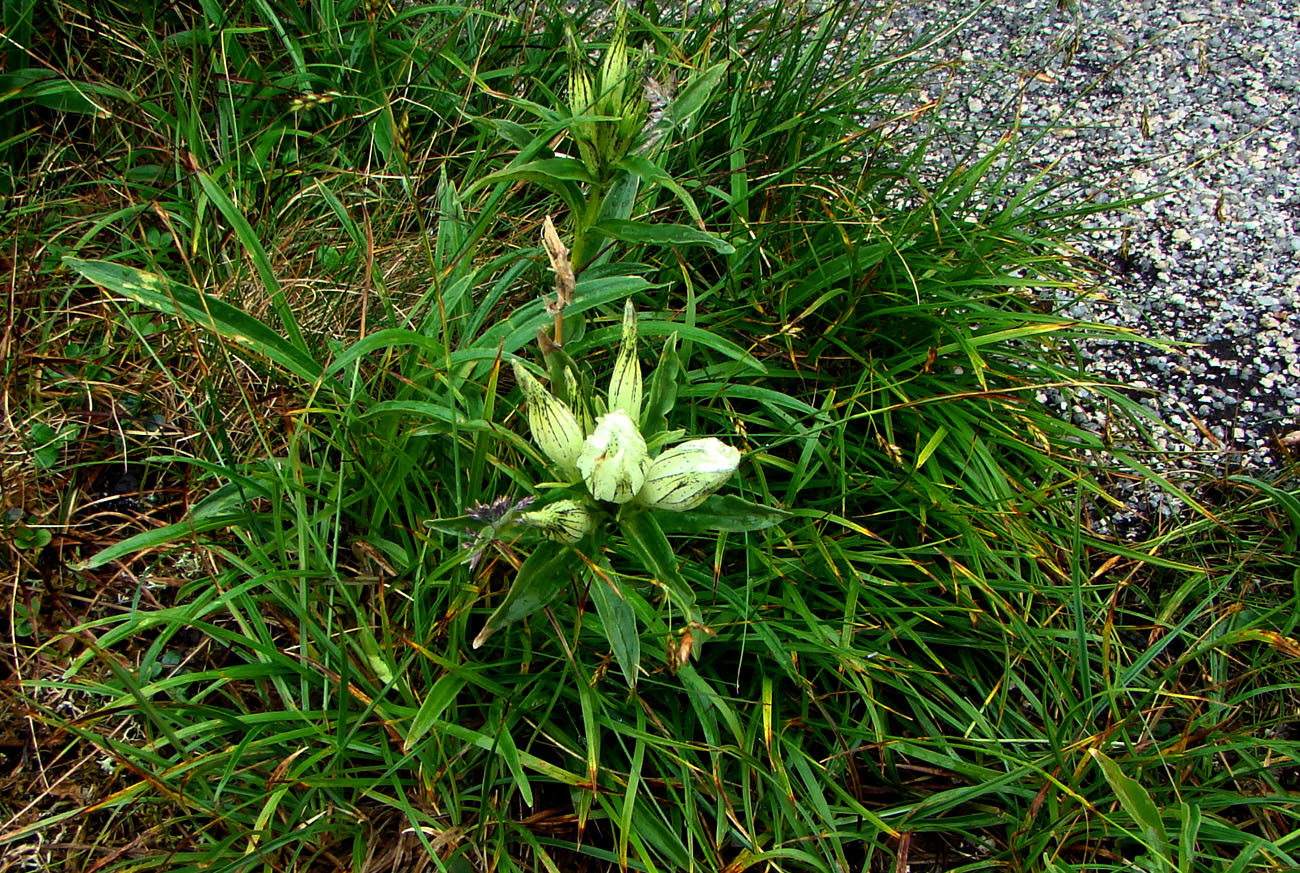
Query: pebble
<point>1214,84</point>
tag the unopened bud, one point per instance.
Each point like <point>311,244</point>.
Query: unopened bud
<point>683,477</point>
<point>554,427</point>
<point>566,521</point>
<point>625,384</point>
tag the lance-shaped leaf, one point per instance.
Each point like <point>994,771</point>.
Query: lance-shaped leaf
<point>646,537</point>
<point>161,293</point>
<point>722,513</point>
<point>663,389</point>
<point>618,620</point>
<point>540,579</point>
<point>662,234</point>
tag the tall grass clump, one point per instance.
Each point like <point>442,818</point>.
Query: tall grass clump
<point>349,338</point>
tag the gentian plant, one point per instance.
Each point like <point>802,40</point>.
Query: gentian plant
<point>619,476</point>
<point>613,458</point>
<point>616,474</point>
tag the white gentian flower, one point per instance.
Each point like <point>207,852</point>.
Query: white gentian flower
<point>625,384</point>
<point>614,459</point>
<point>553,425</point>
<point>566,521</point>
<point>683,477</point>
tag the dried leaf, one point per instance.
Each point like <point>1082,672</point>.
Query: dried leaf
<point>559,255</point>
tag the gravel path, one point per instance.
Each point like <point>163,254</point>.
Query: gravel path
<point>1199,99</point>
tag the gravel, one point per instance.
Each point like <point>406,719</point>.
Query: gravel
<point>1200,101</point>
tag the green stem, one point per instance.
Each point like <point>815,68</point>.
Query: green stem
<point>595,199</point>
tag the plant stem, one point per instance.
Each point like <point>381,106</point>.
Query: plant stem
<point>595,199</point>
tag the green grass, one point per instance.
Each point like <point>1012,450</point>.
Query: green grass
<point>253,371</point>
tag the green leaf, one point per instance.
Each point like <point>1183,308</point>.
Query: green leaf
<point>25,618</point>
<point>619,621</point>
<point>511,131</point>
<point>46,88</point>
<point>46,444</point>
<point>160,293</point>
<point>559,175</point>
<point>1136,802</point>
<point>693,96</point>
<point>228,498</point>
<point>521,327</point>
<point>650,172</point>
<point>440,419</point>
<point>619,200</point>
<point>383,340</point>
<point>31,538</point>
<point>695,335</point>
<point>662,234</point>
<point>261,261</point>
<point>663,389</point>
<point>1190,814</point>
<point>647,539</point>
<point>507,749</point>
<point>440,696</point>
<point>160,536</point>
<point>539,580</point>
<point>722,513</point>
<point>449,242</point>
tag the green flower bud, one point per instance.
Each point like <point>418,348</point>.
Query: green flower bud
<point>625,384</point>
<point>614,458</point>
<point>683,477</point>
<point>613,67</point>
<point>565,521</point>
<point>553,425</point>
<point>579,90</point>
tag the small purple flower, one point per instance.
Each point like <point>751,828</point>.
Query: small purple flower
<point>494,515</point>
<point>498,510</point>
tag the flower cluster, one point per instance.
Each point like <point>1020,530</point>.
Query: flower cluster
<point>613,460</point>
<point>609,112</point>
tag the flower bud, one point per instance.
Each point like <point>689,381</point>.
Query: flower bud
<point>552,424</point>
<point>683,477</point>
<point>625,384</point>
<point>613,67</point>
<point>565,521</point>
<point>614,458</point>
